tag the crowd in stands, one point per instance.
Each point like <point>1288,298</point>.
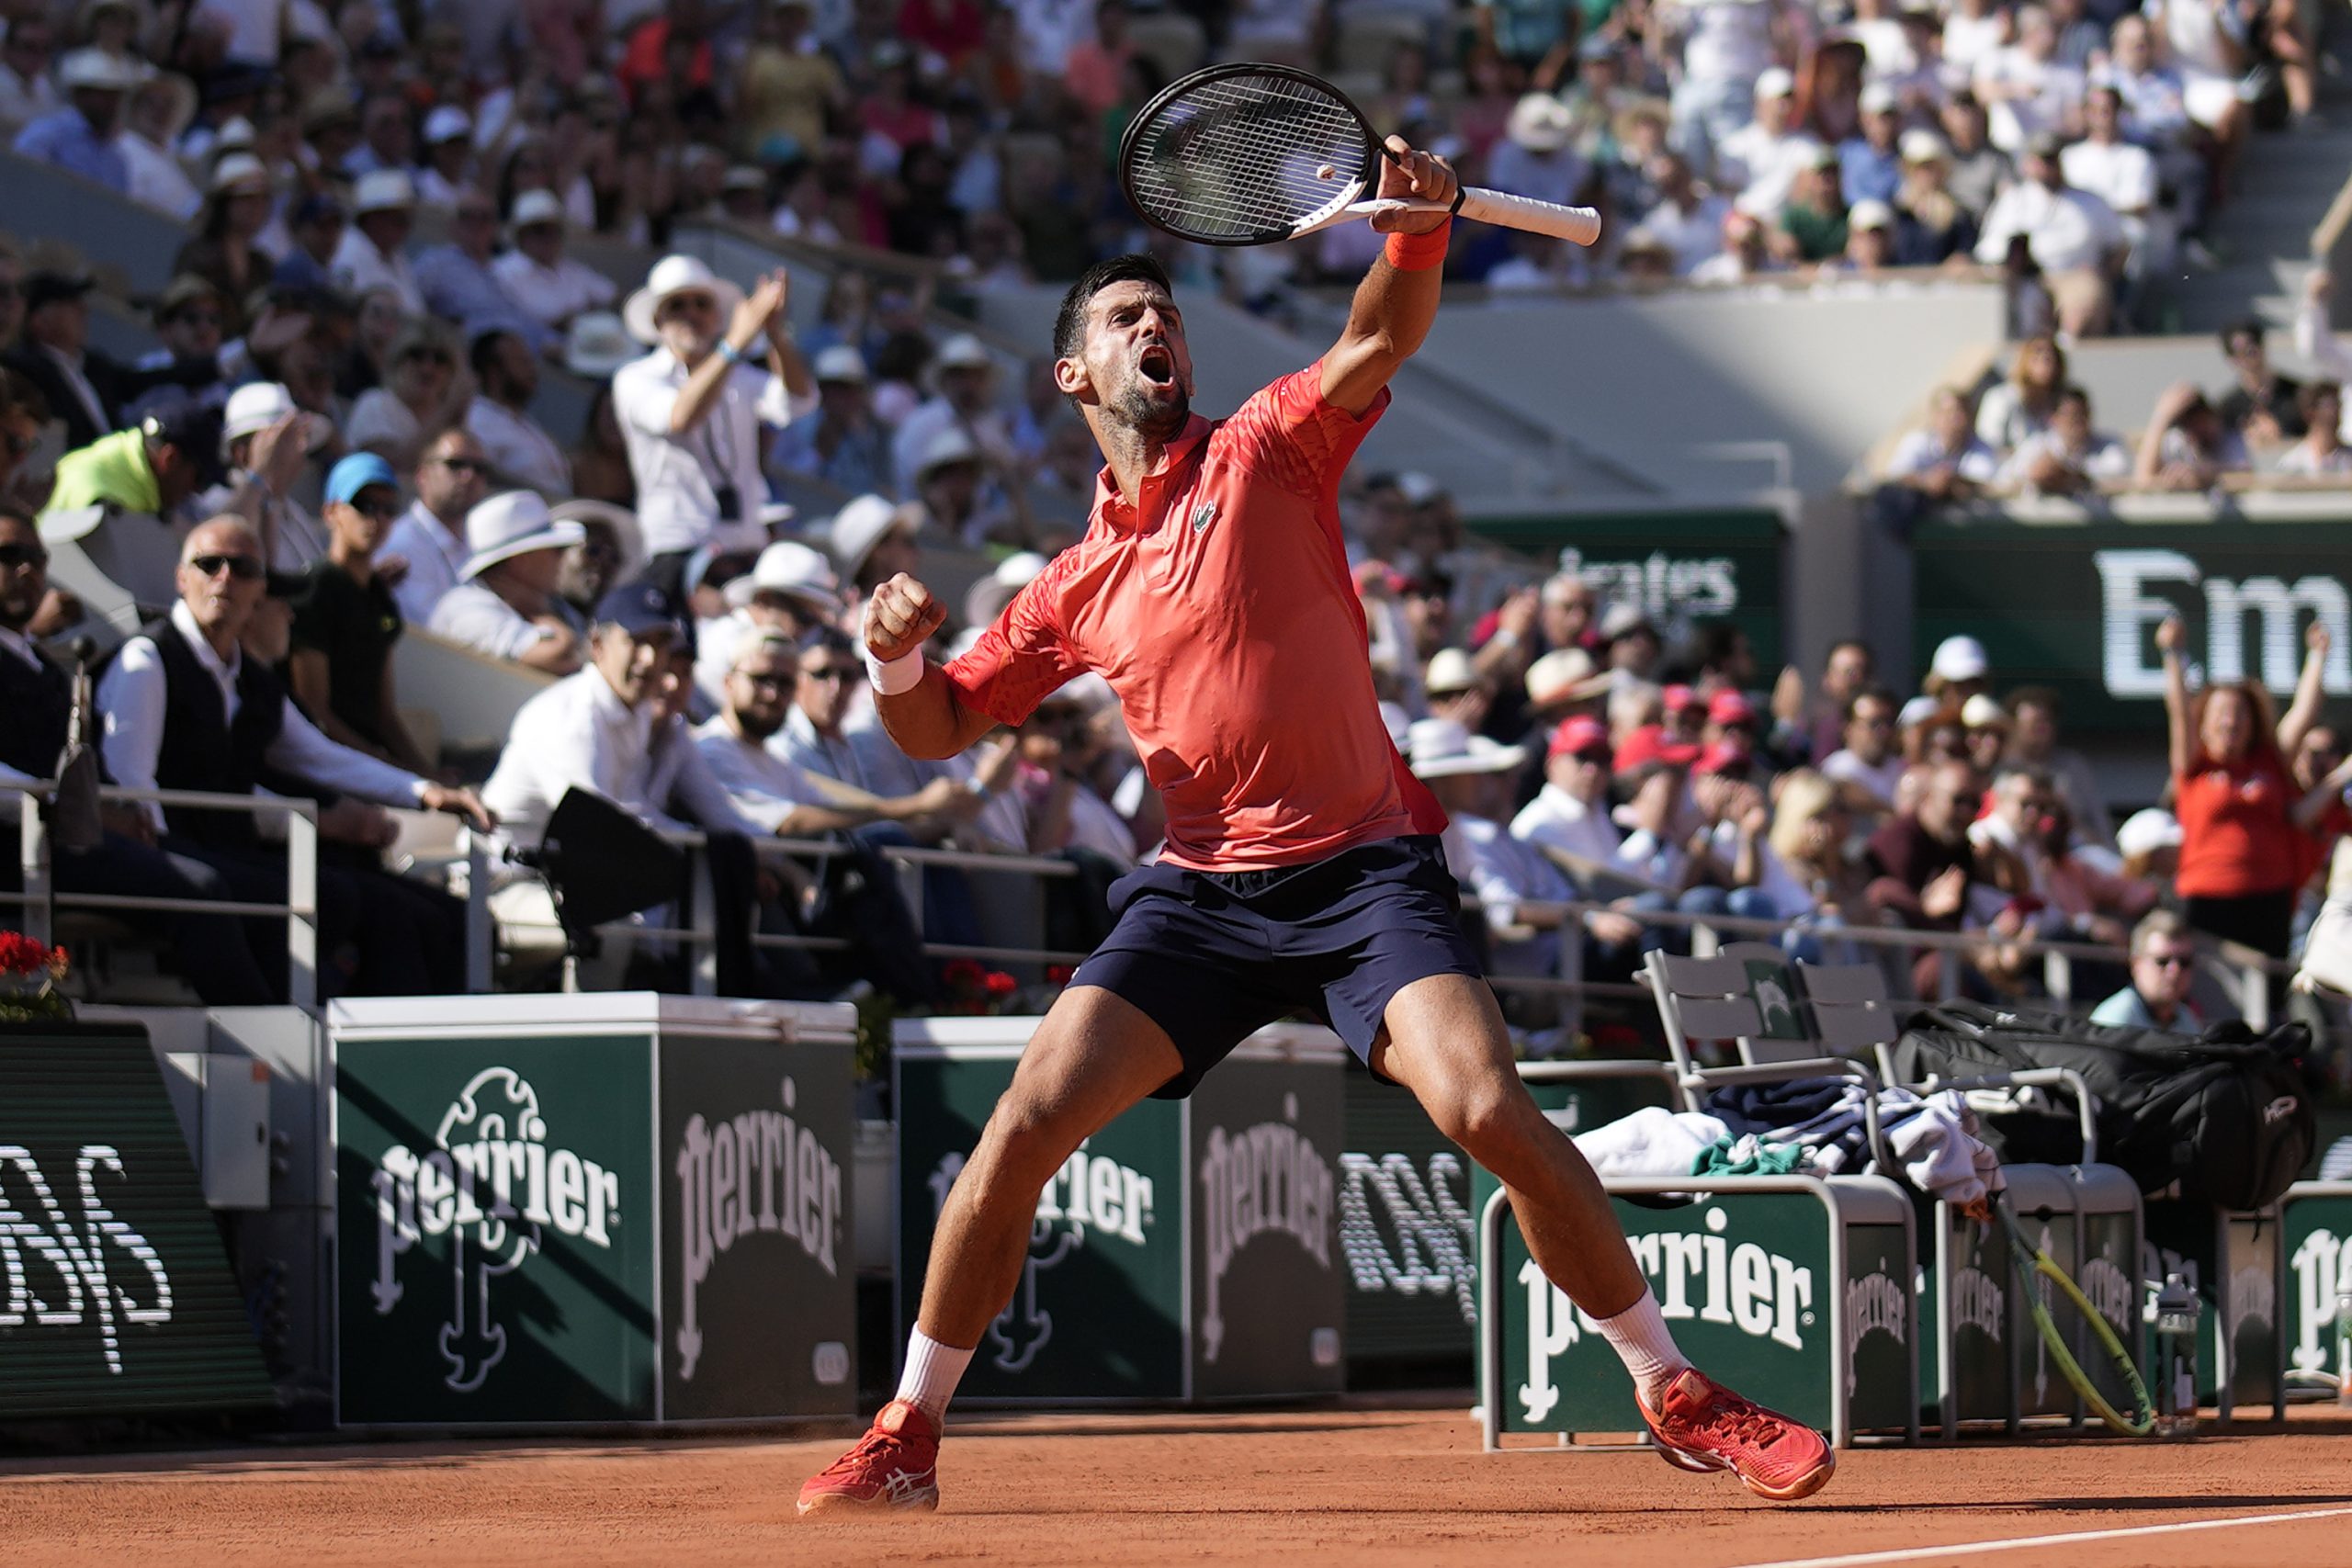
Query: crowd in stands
<point>2032,432</point>
<point>2076,147</point>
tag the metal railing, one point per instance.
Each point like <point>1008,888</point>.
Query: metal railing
<point>41,898</point>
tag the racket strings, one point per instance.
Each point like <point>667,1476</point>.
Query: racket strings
<point>1241,156</point>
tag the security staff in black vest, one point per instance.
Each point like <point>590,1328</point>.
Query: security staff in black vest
<point>214,954</point>
<point>185,708</point>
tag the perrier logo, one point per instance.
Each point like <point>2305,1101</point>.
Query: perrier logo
<point>493,1186</point>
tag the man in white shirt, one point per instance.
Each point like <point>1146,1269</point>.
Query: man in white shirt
<point>451,478</point>
<point>1868,767</point>
<point>1724,46</point>
<point>547,285</point>
<point>2120,173</point>
<point>1688,221</point>
<point>505,604</point>
<point>2025,89</point>
<point>790,590</point>
<point>1469,775</point>
<point>520,451</point>
<point>2316,341</point>
<point>2070,456</point>
<point>2073,235</point>
<point>690,412</point>
<point>374,252</point>
<point>26,91</point>
<point>1762,159</point>
<point>966,397</point>
<point>185,708</point>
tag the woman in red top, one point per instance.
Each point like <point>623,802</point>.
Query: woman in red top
<point>2243,853</point>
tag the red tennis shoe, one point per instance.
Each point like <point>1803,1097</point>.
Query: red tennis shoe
<point>1703,1426</point>
<point>895,1465</point>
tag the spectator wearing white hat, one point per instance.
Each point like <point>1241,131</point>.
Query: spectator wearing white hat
<point>1959,670</point>
<point>964,374</point>
<point>1869,237</point>
<point>1536,156</point>
<point>374,252</point>
<point>1762,159</point>
<point>505,604</point>
<point>1870,165</point>
<point>842,442</point>
<point>550,286</point>
<point>458,286</point>
<point>1470,776</point>
<point>81,139</point>
<point>267,441</point>
<point>448,157</point>
<point>452,476</point>
<point>611,553</point>
<point>790,590</point>
<point>957,494</point>
<point>690,411</point>
<point>1931,225</point>
<point>872,541</point>
<point>521,452</point>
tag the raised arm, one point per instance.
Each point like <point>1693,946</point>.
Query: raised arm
<point>2169,637</point>
<point>1398,299</point>
<point>2311,691</point>
<point>700,394</point>
<point>926,719</point>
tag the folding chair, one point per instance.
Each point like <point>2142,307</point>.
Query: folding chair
<point>1702,999</point>
<point>1851,1012</point>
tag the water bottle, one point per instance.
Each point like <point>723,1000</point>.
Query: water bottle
<point>2176,1312</point>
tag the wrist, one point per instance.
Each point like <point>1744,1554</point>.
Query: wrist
<point>1419,252</point>
<point>897,676</point>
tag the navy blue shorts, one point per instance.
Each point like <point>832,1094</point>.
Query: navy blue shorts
<point>1212,956</point>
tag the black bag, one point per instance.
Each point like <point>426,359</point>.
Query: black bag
<point>2228,1114</point>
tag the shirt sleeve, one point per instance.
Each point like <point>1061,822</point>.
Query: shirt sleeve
<point>712,807</point>
<point>1022,660</point>
<point>1289,435</point>
<point>301,751</point>
<point>483,622</point>
<point>645,402</point>
<point>722,756</point>
<point>130,706</point>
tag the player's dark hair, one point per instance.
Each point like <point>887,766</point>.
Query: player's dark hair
<point>1070,323</point>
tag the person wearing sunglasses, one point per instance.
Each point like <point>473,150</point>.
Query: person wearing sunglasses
<point>214,955</point>
<point>185,708</point>
<point>2164,967</point>
<point>451,478</point>
<point>691,411</point>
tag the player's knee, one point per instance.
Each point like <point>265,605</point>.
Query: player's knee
<point>1033,1132</point>
<point>1478,1113</point>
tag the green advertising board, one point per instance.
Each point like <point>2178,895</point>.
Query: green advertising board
<point>116,1298</point>
<point>1681,566</point>
<point>591,1209</point>
<point>1798,1291</point>
<point>2317,1220</point>
<point>2076,606</point>
<point>1186,1251</point>
<point>2236,1264</point>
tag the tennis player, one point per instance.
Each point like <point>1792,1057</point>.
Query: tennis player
<point>1301,871</point>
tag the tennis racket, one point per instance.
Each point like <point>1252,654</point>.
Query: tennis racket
<point>2079,1313</point>
<point>1253,154</point>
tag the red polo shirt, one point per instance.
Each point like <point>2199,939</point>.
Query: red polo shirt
<point>1221,610</point>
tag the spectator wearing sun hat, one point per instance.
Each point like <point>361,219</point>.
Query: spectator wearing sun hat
<point>690,411</point>
<point>448,141</point>
<point>872,541</point>
<point>505,604</point>
<point>1470,776</point>
<point>548,285</point>
<point>267,441</point>
<point>81,139</point>
<point>790,590</point>
<point>374,252</point>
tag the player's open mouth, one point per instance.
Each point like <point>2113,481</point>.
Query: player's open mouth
<point>1158,366</point>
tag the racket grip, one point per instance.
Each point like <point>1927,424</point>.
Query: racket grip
<point>1580,225</point>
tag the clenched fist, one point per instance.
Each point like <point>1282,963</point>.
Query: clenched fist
<point>901,617</point>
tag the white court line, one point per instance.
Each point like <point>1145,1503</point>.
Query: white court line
<point>1982,1547</point>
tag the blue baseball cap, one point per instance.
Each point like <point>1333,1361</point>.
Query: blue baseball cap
<point>641,609</point>
<point>356,473</point>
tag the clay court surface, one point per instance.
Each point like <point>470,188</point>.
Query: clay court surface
<point>1353,1487</point>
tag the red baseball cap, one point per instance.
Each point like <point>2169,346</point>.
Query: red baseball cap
<point>1648,744</point>
<point>1722,757</point>
<point>1728,706</point>
<point>1579,734</point>
<point>1675,698</point>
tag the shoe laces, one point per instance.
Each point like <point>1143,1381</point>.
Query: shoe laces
<point>878,1447</point>
<point>1730,1417</point>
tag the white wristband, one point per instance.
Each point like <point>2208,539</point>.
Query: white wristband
<point>903,674</point>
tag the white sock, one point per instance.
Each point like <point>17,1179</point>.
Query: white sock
<point>1642,1341</point>
<point>933,1371</point>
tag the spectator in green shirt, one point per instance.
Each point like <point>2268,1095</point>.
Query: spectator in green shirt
<point>1813,223</point>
